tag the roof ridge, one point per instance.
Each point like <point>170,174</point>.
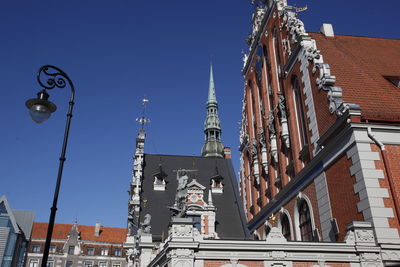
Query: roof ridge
<point>358,36</point>
<point>171,155</point>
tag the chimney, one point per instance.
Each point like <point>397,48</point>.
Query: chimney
<point>97,229</point>
<point>227,152</point>
<point>327,30</point>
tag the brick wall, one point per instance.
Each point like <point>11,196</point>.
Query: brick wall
<point>393,154</point>
<point>310,264</point>
<point>218,263</point>
<point>341,193</point>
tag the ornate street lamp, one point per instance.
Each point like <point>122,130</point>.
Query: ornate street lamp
<point>40,109</point>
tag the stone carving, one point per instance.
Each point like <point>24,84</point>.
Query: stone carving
<point>130,255</point>
<point>275,236</point>
<point>244,58</point>
<point>350,238</point>
<point>369,257</point>
<point>364,236</point>
<point>264,156</point>
<point>271,126</point>
<point>180,207</point>
<point>272,136</point>
<point>278,255</point>
<point>131,221</point>
<point>182,230</point>
<point>285,129</point>
<point>182,253</point>
<point>391,255</point>
<point>295,27</point>
<point>182,263</point>
<point>326,82</point>
<point>145,225</point>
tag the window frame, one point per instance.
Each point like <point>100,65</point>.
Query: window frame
<point>305,221</point>
<point>90,251</point>
<point>33,263</point>
<point>119,254</point>
<point>71,250</point>
<point>36,248</point>
<point>104,252</point>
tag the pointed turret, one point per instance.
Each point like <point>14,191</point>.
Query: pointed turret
<point>212,126</point>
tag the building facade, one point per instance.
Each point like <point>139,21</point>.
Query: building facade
<point>15,234</point>
<point>74,245</point>
<point>320,135</point>
<point>186,211</point>
<point>200,193</point>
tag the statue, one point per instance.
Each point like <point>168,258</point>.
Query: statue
<point>131,222</point>
<point>145,225</point>
<point>271,126</point>
<point>179,208</point>
<point>282,107</point>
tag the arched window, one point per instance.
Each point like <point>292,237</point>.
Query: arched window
<point>267,230</point>
<point>285,227</point>
<point>305,221</point>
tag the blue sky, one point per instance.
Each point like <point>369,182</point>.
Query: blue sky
<point>116,52</point>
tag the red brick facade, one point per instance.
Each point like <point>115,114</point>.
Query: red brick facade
<point>342,197</point>
<point>300,99</point>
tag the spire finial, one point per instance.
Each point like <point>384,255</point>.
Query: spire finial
<point>211,89</point>
<point>143,120</point>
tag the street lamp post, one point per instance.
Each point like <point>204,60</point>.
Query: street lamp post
<point>40,109</point>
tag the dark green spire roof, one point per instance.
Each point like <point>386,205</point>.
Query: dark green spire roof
<point>212,126</point>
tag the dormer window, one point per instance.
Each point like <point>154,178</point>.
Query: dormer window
<point>216,184</point>
<point>394,80</point>
<point>159,179</point>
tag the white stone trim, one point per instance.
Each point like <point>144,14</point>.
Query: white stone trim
<point>324,207</point>
<point>309,101</point>
<point>367,185</point>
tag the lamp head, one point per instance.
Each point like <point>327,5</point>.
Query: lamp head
<point>40,108</point>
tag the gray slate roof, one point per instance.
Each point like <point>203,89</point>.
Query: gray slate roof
<point>230,217</point>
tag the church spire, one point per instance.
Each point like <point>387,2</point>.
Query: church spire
<point>212,126</point>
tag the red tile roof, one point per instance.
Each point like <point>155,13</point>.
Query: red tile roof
<point>360,64</point>
<point>61,231</point>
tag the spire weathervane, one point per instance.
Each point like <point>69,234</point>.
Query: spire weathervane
<point>143,120</point>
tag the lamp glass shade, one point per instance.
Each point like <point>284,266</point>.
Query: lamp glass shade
<point>39,113</point>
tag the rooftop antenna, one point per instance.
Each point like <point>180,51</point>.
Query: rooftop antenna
<point>143,120</point>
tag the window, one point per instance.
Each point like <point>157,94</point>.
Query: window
<point>104,251</point>
<point>90,251</point>
<point>69,264</point>
<point>300,116</point>
<point>196,221</point>
<point>394,80</point>
<point>36,248</point>
<point>267,230</point>
<point>88,264</point>
<point>34,263</point>
<point>102,264</point>
<point>117,264</point>
<point>118,252</point>
<point>285,227</point>
<point>53,248</point>
<point>50,263</point>
<point>71,250</point>
<point>305,221</point>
